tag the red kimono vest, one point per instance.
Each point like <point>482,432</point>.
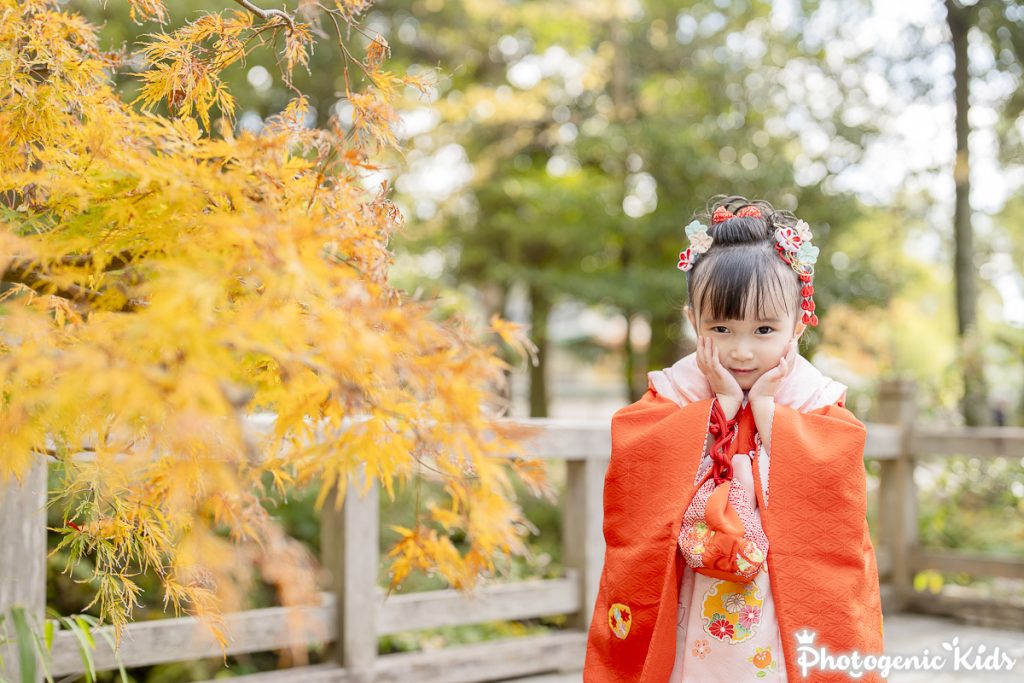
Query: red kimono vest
<point>820,557</point>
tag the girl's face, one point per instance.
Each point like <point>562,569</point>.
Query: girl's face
<point>750,347</point>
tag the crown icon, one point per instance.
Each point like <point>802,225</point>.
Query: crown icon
<point>805,637</point>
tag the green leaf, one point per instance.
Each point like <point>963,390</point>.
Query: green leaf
<point>26,653</point>
<point>48,634</point>
<point>85,645</point>
<point>84,625</point>
<point>113,646</point>
<point>44,656</point>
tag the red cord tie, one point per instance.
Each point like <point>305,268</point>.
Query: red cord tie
<point>725,432</point>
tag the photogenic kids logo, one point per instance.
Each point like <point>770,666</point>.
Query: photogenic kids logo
<point>855,665</point>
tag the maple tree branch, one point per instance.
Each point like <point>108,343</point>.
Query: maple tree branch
<point>37,280</point>
<point>55,453</point>
<point>256,33</point>
<point>266,14</point>
<point>120,260</point>
<point>40,281</point>
<point>348,55</point>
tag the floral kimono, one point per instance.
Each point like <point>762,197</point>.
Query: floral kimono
<point>728,631</point>
<point>655,620</point>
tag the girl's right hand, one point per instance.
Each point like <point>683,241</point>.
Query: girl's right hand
<point>722,382</point>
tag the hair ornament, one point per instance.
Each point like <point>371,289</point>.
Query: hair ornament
<point>700,242</point>
<point>794,246</point>
<point>722,214</point>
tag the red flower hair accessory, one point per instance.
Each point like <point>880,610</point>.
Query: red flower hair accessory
<point>794,247</point>
<point>723,214</point>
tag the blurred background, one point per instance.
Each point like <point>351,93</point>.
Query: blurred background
<point>549,175</point>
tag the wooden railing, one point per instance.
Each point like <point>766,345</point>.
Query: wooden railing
<point>900,555</point>
<point>354,614</point>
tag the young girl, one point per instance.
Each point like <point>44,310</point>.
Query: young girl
<point>734,503</point>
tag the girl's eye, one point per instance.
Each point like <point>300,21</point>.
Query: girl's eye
<point>766,327</point>
<point>716,328</point>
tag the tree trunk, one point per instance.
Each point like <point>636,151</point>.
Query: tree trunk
<point>540,307</point>
<point>974,402</point>
<point>1018,419</point>
<point>496,301</point>
<point>622,112</point>
<point>634,362</point>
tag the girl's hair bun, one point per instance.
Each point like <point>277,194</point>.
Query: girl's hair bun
<point>744,229</point>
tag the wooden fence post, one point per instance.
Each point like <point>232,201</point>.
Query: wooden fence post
<point>582,530</point>
<point>22,558</point>
<point>350,552</point>
<point>897,493</point>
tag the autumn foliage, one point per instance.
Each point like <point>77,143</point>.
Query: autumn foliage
<point>165,279</point>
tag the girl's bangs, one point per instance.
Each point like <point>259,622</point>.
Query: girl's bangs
<point>735,283</point>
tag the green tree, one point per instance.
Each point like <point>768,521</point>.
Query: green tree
<point>660,109</point>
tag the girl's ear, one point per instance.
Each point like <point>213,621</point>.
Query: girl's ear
<point>689,316</point>
<point>800,327</point>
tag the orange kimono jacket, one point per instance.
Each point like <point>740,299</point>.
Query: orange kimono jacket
<point>823,573</point>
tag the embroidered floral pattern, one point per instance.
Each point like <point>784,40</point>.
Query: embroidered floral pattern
<point>763,662</point>
<point>619,620</point>
<point>721,629</point>
<point>697,536</point>
<point>734,603</point>
<point>750,560</point>
<point>750,616</point>
<point>732,611</point>
<point>701,648</point>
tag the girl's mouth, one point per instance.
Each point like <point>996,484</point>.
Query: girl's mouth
<point>742,372</point>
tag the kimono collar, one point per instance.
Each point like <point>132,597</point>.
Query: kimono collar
<point>804,389</point>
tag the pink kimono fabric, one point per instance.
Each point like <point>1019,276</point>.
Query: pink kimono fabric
<point>727,631</point>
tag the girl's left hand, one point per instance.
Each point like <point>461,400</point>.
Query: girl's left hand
<point>767,385</point>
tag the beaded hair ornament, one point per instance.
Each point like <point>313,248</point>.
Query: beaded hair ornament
<point>793,244</point>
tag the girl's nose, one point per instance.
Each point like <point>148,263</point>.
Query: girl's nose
<point>742,353</point>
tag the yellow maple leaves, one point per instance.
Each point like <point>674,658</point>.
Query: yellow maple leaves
<point>142,10</point>
<point>185,65</point>
<point>163,287</point>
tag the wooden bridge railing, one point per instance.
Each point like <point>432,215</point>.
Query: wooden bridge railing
<point>354,613</point>
<point>900,555</point>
